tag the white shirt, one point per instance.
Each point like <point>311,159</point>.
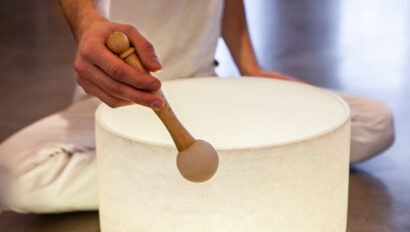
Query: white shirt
<point>184,32</point>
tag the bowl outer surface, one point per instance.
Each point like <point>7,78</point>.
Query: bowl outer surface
<point>292,186</point>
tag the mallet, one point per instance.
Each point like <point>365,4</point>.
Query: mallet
<point>197,160</point>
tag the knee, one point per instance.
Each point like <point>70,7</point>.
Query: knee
<point>386,126</point>
<point>40,180</point>
<point>372,130</point>
<point>10,198</point>
<point>4,186</point>
<point>16,181</point>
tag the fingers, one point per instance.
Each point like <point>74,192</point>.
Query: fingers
<point>116,68</point>
<point>145,50</point>
<point>289,78</point>
<point>108,77</point>
<point>91,89</point>
<point>281,77</point>
<point>90,75</point>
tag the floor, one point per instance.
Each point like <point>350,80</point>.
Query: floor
<point>360,47</point>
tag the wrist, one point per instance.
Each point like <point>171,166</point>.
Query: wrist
<point>81,15</point>
<point>86,20</point>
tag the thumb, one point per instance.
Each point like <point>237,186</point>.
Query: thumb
<point>145,51</point>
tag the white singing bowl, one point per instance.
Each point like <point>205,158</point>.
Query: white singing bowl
<point>283,160</point>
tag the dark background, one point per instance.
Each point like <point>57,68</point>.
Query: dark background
<point>360,47</point>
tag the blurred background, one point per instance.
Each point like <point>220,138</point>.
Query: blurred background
<point>361,47</point>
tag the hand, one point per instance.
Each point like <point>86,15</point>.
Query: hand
<point>270,74</point>
<point>104,75</point>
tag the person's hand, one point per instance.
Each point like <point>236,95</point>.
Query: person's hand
<point>259,72</point>
<point>104,75</point>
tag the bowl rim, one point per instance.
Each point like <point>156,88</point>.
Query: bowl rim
<point>340,124</point>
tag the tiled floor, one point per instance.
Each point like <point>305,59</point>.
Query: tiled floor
<point>360,47</point>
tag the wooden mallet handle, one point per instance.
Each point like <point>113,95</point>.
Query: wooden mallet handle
<point>119,44</point>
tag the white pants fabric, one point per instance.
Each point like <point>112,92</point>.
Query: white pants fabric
<point>50,166</point>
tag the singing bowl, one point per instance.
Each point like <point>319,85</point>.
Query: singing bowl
<point>283,160</point>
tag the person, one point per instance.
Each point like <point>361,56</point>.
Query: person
<point>50,165</point>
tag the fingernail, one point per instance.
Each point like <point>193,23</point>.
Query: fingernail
<point>155,59</point>
<point>156,85</point>
<point>159,70</point>
<point>156,104</point>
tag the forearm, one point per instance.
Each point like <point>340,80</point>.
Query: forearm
<point>236,35</point>
<point>81,13</point>
<point>99,72</point>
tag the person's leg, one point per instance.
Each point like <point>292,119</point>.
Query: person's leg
<point>372,127</point>
<point>50,165</point>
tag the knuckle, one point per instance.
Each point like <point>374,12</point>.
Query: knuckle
<point>83,85</point>
<point>87,49</point>
<point>115,89</point>
<point>130,28</point>
<point>88,92</point>
<point>142,100</point>
<point>114,103</point>
<point>80,80</point>
<point>110,104</point>
<point>115,70</point>
<point>147,46</point>
<point>79,66</point>
<point>138,83</point>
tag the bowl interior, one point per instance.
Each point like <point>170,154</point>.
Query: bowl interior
<point>233,113</point>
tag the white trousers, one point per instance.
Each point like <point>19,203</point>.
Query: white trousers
<point>50,166</point>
